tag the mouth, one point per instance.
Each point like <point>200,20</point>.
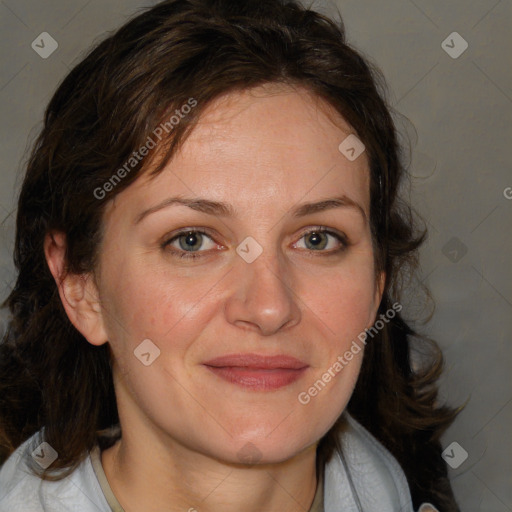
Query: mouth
<point>256,372</point>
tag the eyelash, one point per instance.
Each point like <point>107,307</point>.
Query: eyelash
<point>194,255</point>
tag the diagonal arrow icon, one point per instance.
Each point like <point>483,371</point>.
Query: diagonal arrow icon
<point>147,352</point>
<point>44,455</point>
<point>351,147</point>
<point>249,249</point>
<point>454,249</point>
<point>454,455</point>
<point>44,45</point>
<point>454,45</point>
<point>249,454</point>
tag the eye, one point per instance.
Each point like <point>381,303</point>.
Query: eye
<point>187,243</point>
<point>319,239</point>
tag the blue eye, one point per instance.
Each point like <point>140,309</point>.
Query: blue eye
<point>190,243</point>
<point>318,239</point>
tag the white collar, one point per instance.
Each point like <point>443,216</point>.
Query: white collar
<point>365,476</point>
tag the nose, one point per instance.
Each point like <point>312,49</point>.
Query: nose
<point>262,297</point>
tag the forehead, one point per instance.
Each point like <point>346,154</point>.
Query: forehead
<point>281,122</point>
<point>268,145</point>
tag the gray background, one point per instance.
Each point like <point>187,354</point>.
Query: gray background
<point>461,166</point>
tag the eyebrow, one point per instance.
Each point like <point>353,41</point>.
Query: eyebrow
<point>221,209</point>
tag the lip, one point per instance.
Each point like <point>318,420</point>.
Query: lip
<point>280,361</point>
<point>257,372</point>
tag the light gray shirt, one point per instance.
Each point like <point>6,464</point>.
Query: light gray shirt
<point>363,477</point>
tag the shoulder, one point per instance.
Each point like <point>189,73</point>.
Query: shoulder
<point>21,490</point>
<point>364,476</point>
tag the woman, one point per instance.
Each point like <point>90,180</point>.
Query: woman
<point>210,248</point>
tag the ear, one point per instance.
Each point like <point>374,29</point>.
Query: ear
<point>78,292</point>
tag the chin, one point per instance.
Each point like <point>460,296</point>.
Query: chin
<point>269,450</point>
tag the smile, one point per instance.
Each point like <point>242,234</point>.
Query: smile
<point>257,372</point>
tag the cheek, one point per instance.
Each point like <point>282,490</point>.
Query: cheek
<point>153,301</point>
<point>343,301</point>
<point>343,308</point>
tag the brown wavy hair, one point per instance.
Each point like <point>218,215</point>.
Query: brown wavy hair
<point>105,109</point>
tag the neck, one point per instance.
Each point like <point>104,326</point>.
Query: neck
<point>145,477</point>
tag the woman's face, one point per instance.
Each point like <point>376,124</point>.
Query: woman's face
<point>261,281</point>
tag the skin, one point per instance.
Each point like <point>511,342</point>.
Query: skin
<point>263,151</point>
